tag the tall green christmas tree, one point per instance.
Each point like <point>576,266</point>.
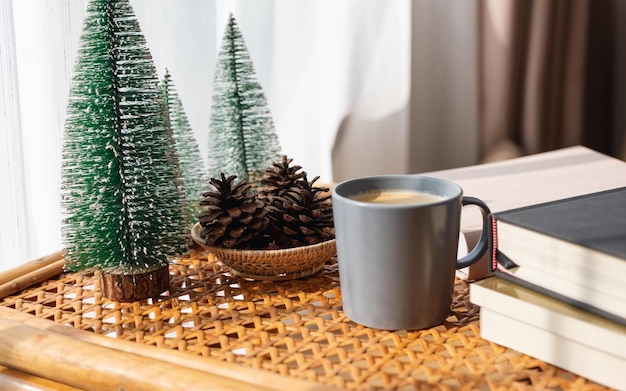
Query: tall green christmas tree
<point>192,165</point>
<point>242,138</point>
<point>124,209</point>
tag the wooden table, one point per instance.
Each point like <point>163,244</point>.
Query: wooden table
<point>214,330</point>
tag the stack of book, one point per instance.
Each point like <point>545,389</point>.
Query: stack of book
<point>530,180</point>
<point>559,287</point>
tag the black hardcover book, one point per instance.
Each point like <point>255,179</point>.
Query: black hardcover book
<point>573,249</point>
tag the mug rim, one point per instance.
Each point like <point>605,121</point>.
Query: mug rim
<point>456,192</point>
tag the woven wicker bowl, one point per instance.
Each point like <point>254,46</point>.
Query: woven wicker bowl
<point>283,264</point>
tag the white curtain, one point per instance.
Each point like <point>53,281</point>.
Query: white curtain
<point>37,46</point>
<point>337,76</point>
<point>318,61</point>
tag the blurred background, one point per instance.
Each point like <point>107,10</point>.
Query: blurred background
<point>356,87</point>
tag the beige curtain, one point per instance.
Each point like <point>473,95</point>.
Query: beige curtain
<point>546,76</point>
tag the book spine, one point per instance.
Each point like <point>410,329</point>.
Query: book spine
<point>494,243</point>
<point>498,259</point>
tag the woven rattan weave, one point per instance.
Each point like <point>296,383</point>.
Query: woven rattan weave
<point>294,328</point>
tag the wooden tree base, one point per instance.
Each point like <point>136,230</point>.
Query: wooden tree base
<point>135,287</point>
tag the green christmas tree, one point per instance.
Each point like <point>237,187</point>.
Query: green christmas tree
<point>192,165</point>
<point>242,138</point>
<point>124,209</point>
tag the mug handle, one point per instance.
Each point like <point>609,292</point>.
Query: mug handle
<point>481,247</point>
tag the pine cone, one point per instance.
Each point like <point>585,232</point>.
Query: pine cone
<point>281,176</point>
<point>301,215</point>
<point>234,217</point>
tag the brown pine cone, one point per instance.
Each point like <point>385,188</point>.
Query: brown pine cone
<point>279,177</point>
<point>301,215</point>
<point>234,217</point>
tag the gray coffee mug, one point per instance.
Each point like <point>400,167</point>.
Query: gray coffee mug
<point>397,262</point>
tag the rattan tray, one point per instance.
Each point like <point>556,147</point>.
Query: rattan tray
<point>288,335</point>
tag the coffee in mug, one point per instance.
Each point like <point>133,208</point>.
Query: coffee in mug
<point>396,197</point>
<point>397,240</point>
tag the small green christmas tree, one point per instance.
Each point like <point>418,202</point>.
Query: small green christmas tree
<point>242,138</point>
<point>124,210</point>
<point>192,165</point>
